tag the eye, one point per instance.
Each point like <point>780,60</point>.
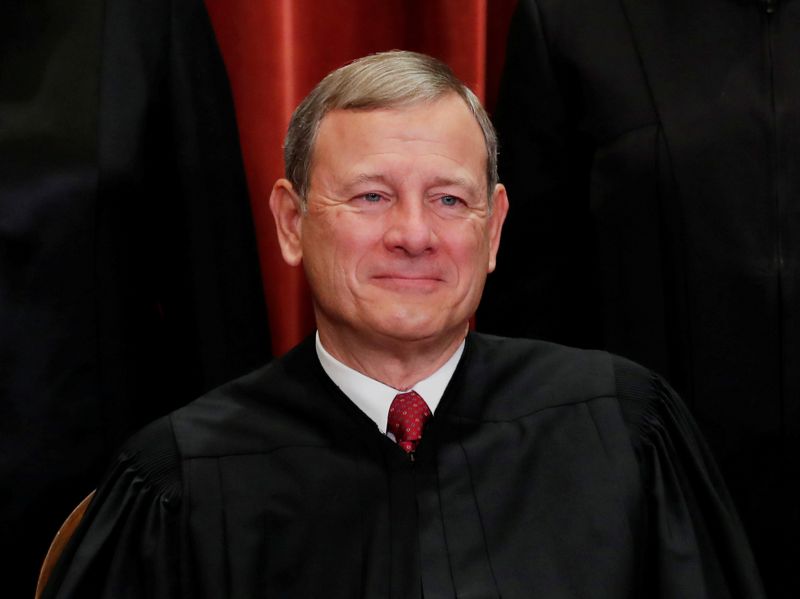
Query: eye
<point>371,201</point>
<point>449,200</point>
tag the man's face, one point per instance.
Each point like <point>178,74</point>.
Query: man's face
<point>398,237</point>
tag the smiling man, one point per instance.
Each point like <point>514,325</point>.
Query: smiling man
<point>397,233</point>
<point>396,454</point>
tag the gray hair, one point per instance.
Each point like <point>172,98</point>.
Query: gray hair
<point>385,80</point>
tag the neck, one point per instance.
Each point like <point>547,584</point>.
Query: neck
<point>397,363</point>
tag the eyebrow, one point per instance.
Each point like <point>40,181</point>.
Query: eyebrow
<point>437,181</point>
<point>454,181</point>
<point>368,178</point>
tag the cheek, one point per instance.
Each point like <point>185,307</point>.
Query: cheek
<point>318,253</point>
<point>470,252</point>
<point>358,246</point>
<point>341,250</point>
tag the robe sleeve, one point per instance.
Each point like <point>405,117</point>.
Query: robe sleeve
<point>128,543</point>
<point>695,544</point>
<point>544,161</point>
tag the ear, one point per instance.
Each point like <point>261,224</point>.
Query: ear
<point>495,224</point>
<point>288,213</point>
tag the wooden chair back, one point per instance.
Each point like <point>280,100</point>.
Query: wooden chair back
<point>60,541</point>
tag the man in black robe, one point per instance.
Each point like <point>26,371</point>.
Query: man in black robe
<point>129,278</point>
<point>652,150</point>
<point>544,471</point>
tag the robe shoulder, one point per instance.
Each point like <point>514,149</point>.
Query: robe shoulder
<point>289,402</point>
<point>153,454</point>
<point>130,535</point>
<point>512,378</point>
<point>522,376</point>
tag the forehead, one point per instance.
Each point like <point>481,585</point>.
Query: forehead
<point>442,135</point>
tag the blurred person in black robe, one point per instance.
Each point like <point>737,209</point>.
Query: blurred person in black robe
<point>544,471</point>
<point>652,150</point>
<point>129,281</point>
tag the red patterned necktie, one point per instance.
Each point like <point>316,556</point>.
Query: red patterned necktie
<point>407,416</point>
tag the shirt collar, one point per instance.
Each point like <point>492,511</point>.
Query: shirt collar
<point>373,397</point>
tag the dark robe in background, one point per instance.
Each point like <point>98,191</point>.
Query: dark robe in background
<point>545,472</point>
<point>129,280</point>
<point>651,151</point>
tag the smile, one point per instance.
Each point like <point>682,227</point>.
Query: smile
<point>398,282</point>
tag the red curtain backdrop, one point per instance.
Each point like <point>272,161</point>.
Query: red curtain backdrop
<point>277,50</point>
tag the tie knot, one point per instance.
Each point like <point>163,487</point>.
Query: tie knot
<point>407,416</point>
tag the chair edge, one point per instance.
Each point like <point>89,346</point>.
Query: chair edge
<point>60,541</point>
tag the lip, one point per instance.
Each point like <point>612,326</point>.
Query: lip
<point>421,282</point>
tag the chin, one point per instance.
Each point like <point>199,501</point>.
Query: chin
<point>415,327</point>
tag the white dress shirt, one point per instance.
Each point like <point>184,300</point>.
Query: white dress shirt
<point>373,397</point>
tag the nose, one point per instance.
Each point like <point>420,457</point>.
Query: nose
<point>410,228</point>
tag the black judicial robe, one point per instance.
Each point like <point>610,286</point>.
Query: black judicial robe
<point>651,150</point>
<point>129,279</point>
<point>545,472</point>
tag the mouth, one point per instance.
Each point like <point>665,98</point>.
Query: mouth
<point>423,283</point>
